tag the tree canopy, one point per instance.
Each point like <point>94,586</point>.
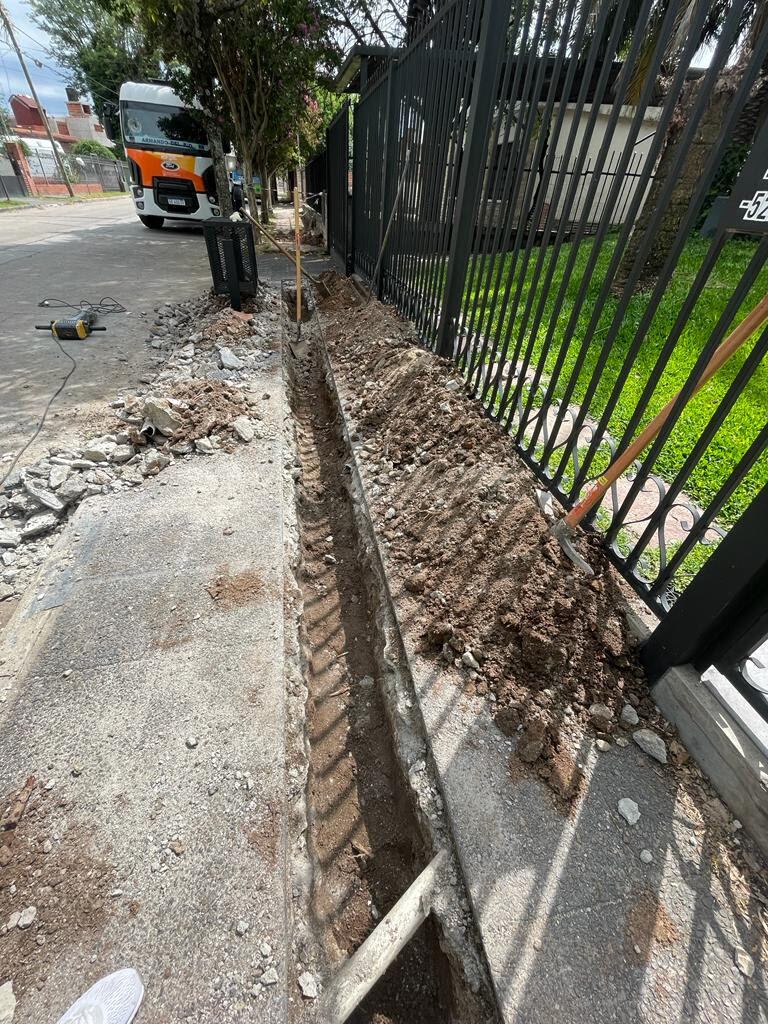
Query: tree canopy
<point>98,49</point>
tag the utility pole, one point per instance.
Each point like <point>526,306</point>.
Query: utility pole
<point>56,155</point>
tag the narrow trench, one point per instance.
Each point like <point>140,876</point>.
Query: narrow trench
<point>363,837</point>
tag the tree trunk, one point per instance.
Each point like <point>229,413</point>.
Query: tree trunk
<point>220,169</point>
<point>265,197</point>
<point>707,138</point>
<point>251,194</point>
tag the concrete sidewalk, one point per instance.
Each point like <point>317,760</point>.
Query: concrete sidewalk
<point>143,686</point>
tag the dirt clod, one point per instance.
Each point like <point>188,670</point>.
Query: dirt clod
<point>232,591</point>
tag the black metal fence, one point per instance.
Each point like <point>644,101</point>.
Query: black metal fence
<point>532,179</point>
<point>11,186</point>
<point>339,225</point>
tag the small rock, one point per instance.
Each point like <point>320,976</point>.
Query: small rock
<point>744,961</point>
<point>244,429</point>
<point>629,716</point>
<point>603,745</point>
<point>9,538</point>
<point>7,1003</point>
<point>629,811</point>
<point>6,591</point>
<point>98,451</point>
<point>154,462</point>
<point>652,744</point>
<point>470,661</point>
<point>43,496</point>
<point>163,417</point>
<point>47,846</point>
<point>646,856</point>
<point>57,476</point>
<point>329,559</point>
<point>241,928</point>
<point>122,454</point>
<point>265,949</point>
<point>530,746</point>
<point>72,489</point>
<point>269,977</point>
<point>192,742</point>
<point>677,753</point>
<point>204,446</point>
<point>38,524</point>
<point>390,513</point>
<point>308,985</point>
<point>601,715</point>
<point>621,742</point>
<point>176,847</point>
<point>182,448</point>
<point>26,917</point>
<point>229,361</point>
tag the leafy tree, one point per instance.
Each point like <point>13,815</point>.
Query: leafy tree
<point>5,120</point>
<point>90,147</point>
<point>710,127</point>
<point>99,50</point>
<point>267,57</point>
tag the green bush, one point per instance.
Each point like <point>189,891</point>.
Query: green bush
<point>89,147</point>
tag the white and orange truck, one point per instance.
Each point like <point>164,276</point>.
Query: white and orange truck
<point>172,175</point>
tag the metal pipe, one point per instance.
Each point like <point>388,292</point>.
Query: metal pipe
<point>367,964</point>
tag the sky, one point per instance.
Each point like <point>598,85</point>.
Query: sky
<point>49,80</point>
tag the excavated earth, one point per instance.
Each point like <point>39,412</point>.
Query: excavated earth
<point>479,579</point>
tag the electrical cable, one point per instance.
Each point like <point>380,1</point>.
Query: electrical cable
<point>51,400</point>
<point>104,306</point>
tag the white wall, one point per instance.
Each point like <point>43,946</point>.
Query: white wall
<point>620,137</point>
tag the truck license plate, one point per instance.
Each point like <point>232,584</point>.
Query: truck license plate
<point>177,202</point>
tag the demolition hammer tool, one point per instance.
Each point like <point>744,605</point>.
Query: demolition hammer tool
<point>72,328</point>
<point>563,529</point>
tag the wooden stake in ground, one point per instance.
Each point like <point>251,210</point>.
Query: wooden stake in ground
<point>297,236</point>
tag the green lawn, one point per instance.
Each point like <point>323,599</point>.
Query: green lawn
<point>745,419</point>
<point>9,204</point>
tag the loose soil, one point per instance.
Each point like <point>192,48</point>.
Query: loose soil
<point>489,588</point>
<point>68,885</point>
<point>481,583</point>
<point>234,590</point>
<point>649,923</point>
<point>362,838</point>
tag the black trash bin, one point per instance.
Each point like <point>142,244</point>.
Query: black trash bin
<point>232,256</point>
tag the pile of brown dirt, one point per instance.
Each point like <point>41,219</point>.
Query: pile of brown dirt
<point>227,327</point>
<point>210,406</point>
<point>60,877</point>
<point>491,591</point>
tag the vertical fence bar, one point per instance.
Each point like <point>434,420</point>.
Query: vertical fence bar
<point>486,74</point>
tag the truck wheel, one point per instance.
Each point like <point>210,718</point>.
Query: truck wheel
<point>151,222</point>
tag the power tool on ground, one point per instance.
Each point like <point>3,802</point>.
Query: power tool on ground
<point>74,327</point>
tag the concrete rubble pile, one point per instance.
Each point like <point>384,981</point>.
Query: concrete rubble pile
<point>199,402</point>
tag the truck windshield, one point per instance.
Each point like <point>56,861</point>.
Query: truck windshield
<point>157,126</point>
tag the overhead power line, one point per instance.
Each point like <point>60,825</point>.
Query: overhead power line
<point>57,156</point>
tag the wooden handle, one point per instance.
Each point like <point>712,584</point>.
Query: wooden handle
<point>755,319</point>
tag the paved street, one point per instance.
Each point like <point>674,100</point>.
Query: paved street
<point>86,251</point>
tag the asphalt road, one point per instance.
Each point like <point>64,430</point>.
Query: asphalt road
<point>84,251</point>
